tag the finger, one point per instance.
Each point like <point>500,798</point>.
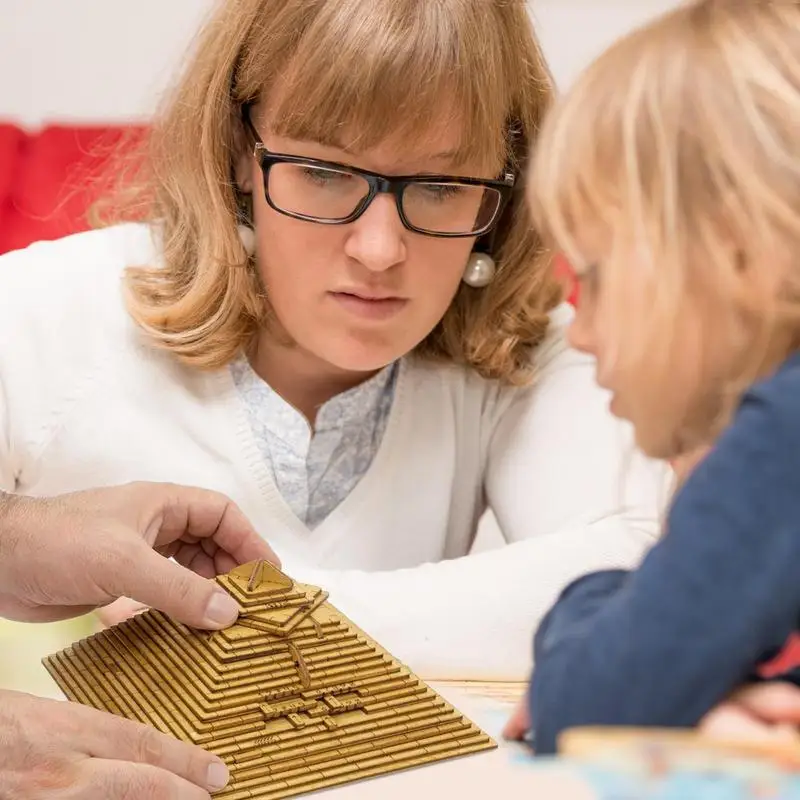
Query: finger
<point>731,721</point>
<point>518,724</point>
<point>119,611</point>
<point>198,559</point>
<point>121,780</point>
<point>114,739</point>
<point>223,562</point>
<point>772,702</point>
<point>147,577</point>
<point>193,557</point>
<point>204,514</point>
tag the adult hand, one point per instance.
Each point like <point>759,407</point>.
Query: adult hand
<point>53,749</point>
<point>760,712</point>
<point>61,557</point>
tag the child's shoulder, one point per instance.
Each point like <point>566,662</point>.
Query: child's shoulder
<point>763,439</point>
<point>786,376</point>
<point>776,399</point>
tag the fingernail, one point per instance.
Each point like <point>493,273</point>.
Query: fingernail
<point>222,609</point>
<point>218,776</point>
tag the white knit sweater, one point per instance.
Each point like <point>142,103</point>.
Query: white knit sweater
<point>85,401</point>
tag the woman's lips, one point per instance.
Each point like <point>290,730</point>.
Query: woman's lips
<point>378,308</point>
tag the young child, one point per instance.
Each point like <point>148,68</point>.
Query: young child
<point>670,177</point>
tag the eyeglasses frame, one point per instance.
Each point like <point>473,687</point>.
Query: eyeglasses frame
<point>378,184</point>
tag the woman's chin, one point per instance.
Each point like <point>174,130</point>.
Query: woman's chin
<point>366,364</point>
<point>366,357</point>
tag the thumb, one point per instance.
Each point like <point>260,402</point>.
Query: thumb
<point>177,591</point>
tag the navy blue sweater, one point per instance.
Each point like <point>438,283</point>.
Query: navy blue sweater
<point>719,594</point>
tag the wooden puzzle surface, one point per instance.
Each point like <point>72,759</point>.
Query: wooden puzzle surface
<point>294,697</point>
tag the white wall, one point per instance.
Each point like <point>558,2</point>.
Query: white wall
<point>94,60</point>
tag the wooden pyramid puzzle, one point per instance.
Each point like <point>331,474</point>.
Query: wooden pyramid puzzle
<point>294,697</point>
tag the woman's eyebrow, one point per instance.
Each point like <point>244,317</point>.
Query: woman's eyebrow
<point>445,155</point>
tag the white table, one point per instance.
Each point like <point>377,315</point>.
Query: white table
<point>507,771</point>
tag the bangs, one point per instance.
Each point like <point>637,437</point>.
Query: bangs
<point>397,72</point>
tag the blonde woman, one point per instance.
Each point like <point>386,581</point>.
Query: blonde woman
<point>325,300</point>
<point>670,174</point>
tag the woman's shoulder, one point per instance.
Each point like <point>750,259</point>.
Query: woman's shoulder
<point>555,342</point>
<point>71,282</point>
<point>62,307</point>
<point>51,267</point>
<point>553,345</point>
<point>471,394</point>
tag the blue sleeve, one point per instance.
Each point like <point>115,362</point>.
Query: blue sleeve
<point>664,644</point>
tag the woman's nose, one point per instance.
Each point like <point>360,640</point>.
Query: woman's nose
<point>377,238</point>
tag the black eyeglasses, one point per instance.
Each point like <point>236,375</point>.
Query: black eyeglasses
<point>329,193</point>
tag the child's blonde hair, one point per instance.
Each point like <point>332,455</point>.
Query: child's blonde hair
<point>380,67</point>
<point>682,145</point>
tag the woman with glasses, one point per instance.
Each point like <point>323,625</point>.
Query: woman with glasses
<point>323,297</point>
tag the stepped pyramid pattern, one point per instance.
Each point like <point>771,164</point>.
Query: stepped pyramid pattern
<point>294,697</point>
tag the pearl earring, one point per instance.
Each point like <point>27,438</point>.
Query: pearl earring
<point>247,236</point>
<point>480,270</point>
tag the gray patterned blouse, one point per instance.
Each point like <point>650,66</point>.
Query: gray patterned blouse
<point>314,470</point>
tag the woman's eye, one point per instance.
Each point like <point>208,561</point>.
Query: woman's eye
<point>442,191</point>
<point>325,177</point>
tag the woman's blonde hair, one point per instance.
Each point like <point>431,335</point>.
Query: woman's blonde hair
<point>680,149</point>
<point>383,68</point>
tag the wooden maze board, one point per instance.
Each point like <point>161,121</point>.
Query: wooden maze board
<point>294,697</point>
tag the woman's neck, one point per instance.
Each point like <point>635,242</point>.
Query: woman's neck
<point>302,379</point>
